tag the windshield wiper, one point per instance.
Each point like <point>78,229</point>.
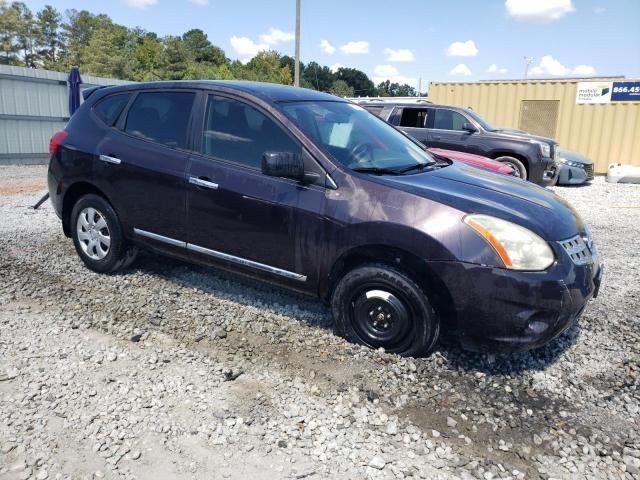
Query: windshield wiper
<point>376,170</point>
<point>417,166</point>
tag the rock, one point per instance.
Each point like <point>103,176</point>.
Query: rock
<point>377,462</point>
<point>135,455</point>
<point>451,422</point>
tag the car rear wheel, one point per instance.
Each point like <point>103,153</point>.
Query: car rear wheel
<point>518,167</point>
<point>97,235</point>
<point>379,306</point>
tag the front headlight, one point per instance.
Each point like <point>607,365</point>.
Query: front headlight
<point>545,149</point>
<point>518,247</point>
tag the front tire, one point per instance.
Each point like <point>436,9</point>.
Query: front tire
<point>517,165</point>
<point>379,306</point>
<point>97,235</point>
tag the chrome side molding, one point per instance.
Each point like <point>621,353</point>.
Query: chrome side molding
<point>221,255</point>
<point>247,263</point>
<point>160,238</point>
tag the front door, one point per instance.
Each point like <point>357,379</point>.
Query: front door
<point>444,130</point>
<point>239,216</point>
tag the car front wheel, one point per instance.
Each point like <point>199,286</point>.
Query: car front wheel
<point>379,306</point>
<point>97,235</point>
<point>517,165</point>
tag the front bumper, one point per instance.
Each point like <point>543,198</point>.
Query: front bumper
<point>500,310</point>
<point>574,175</point>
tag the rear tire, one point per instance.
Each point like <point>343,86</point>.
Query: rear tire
<point>379,306</point>
<point>97,235</point>
<point>517,165</point>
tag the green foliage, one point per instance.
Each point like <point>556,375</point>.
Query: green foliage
<point>341,89</point>
<point>98,46</point>
<point>358,80</point>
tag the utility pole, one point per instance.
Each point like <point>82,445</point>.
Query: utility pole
<point>296,76</point>
<point>527,63</point>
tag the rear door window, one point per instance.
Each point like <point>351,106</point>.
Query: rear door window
<point>413,117</point>
<point>161,117</point>
<point>109,109</point>
<point>445,119</point>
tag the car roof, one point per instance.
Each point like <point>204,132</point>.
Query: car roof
<point>269,92</point>
<point>406,104</point>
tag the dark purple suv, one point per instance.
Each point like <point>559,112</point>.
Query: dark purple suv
<point>314,193</point>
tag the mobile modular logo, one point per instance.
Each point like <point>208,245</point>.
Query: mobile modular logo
<point>594,92</point>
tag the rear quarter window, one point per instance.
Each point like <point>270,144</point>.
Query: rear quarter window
<point>109,108</point>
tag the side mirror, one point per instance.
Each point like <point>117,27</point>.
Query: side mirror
<point>469,127</point>
<point>283,164</point>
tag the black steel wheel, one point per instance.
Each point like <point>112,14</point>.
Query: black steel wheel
<point>379,306</point>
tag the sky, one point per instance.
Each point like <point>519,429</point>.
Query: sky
<point>408,41</point>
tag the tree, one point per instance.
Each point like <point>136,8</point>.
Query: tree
<point>320,77</point>
<point>109,52</point>
<point>8,29</point>
<point>264,67</point>
<point>388,89</point>
<point>148,58</point>
<point>357,80</point>
<point>48,35</point>
<point>341,89</point>
<point>25,34</point>
<point>200,49</point>
<point>175,58</point>
<point>77,32</point>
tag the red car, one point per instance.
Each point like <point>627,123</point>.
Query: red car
<point>475,160</point>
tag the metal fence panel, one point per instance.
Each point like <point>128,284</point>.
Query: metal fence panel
<point>33,106</point>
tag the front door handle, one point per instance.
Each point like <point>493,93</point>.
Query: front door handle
<point>203,183</point>
<point>109,159</point>
<point>436,137</point>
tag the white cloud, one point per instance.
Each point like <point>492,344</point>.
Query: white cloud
<point>141,4</point>
<point>244,46</point>
<point>538,11</point>
<point>327,48</point>
<point>460,69</point>
<point>399,55</point>
<point>385,70</point>
<point>382,73</point>
<point>354,48</point>
<point>584,71</point>
<point>276,36</point>
<point>599,9</point>
<point>493,68</point>
<point>462,49</point>
<point>201,3</point>
<point>334,68</point>
<point>549,66</point>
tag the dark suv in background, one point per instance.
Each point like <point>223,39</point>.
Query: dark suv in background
<point>533,158</point>
<point>315,194</point>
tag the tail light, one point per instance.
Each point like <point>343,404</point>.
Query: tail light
<point>58,137</point>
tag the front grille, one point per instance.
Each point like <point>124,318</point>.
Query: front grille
<point>588,168</point>
<point>578,250</point>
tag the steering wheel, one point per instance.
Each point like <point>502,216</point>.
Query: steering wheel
<point>362,153</point>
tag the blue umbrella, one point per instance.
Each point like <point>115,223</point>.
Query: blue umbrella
<point>74,89</point>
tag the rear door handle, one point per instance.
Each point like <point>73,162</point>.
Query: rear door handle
<point>201,182</point>
<point>108,159</point>
<point>436,137</point>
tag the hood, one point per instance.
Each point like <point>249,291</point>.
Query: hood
<point>573,156</point>
<point>522,135</point>
<point>474,190</point>
<point>475,160</point>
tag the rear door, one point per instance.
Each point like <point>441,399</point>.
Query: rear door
<point>142,164</point>
<point>444,129</point>
<point>412,121</point>
<point>239,216</point>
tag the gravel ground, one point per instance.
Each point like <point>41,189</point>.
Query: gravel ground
<point>176,371</point>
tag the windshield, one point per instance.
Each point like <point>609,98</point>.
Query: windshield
<point>356,138</point>
<point>483,123</point>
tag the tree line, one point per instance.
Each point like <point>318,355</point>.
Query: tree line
<point>52,40</point>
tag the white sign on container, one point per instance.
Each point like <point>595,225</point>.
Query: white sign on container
<point>594,92</point>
